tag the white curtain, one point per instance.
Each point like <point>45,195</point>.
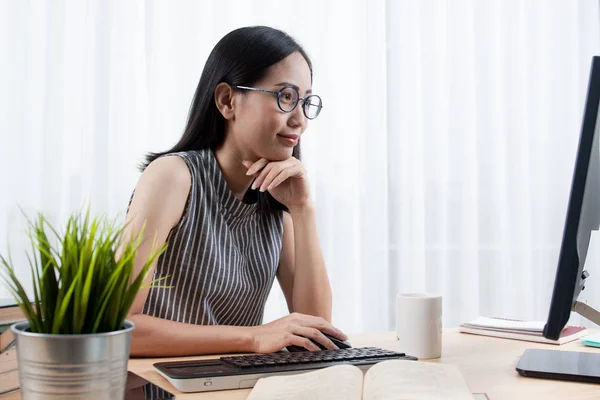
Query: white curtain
<point>441,162</point>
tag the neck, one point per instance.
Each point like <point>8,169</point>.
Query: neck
<point>234,172</point>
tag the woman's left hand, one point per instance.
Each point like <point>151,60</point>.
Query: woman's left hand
<point>285,180</point>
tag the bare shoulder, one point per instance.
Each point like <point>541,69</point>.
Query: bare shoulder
<point>162,190</point>
<point>170,171</point>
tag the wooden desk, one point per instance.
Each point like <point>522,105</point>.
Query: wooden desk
<point>488,365</point>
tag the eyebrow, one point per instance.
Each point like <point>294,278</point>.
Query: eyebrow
<point>309,91</point>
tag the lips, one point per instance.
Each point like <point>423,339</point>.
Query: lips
<point>290,140</point>
<point>293,137</point>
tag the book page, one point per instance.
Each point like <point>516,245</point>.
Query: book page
<point>415,380</point>
<point>342,382</point>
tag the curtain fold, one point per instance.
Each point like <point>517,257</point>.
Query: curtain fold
<point>442,160</point>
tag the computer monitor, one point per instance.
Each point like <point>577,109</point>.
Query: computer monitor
<point>583,217</point>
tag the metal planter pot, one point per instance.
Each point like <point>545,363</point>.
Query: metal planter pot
<point>90,366</point>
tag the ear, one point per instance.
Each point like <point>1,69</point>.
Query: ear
<point>224,100</point>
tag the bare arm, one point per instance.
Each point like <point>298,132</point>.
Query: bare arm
<point>302,274</point>
<point>157,337</point>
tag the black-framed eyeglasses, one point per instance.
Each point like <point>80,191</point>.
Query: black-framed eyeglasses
<point>288,99</point>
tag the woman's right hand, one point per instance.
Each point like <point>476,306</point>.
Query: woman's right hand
<point>294,329</point>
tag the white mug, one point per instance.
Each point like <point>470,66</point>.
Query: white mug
<point>419,324</point>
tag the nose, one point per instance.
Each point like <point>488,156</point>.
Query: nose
<point>297,119</point>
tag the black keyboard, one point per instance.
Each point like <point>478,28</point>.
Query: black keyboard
<point>236,372</point>
<point>310,357</point>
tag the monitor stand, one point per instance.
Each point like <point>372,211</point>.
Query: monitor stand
<point>564,365</point>
<point>586,311</point>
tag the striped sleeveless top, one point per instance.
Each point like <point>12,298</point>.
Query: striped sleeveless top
<point>221,258</point>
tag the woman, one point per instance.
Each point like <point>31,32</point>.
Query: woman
<point>232,202</point>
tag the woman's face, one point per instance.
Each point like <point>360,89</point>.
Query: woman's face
<point>260,128</point>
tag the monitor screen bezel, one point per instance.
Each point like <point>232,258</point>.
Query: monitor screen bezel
<point>568,281</point>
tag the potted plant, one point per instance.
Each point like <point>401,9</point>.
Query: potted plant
<point>75,341</point>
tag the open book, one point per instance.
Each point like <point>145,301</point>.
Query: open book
<point>387,380</point>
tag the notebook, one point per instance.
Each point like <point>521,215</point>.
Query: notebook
<point>7,340</point>
<point>531,331</point>
<point>9,374</point>
<point>387,380</point>
<point>10,313</point>
<point>592,340</point>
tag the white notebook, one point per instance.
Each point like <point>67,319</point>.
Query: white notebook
<point>531,331</point>
<point>506,324</point>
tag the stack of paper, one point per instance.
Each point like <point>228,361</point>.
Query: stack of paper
<point>531,331</point>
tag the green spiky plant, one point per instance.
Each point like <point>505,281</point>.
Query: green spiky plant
<point>79,285</point>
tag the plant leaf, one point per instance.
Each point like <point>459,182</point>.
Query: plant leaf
<point>79,284</point>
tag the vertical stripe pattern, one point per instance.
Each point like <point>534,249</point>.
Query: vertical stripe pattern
<point>221,258</point>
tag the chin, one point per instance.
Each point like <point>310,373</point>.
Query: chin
<point>277,154</point>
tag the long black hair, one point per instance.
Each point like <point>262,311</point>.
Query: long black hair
<point>241,57</point>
